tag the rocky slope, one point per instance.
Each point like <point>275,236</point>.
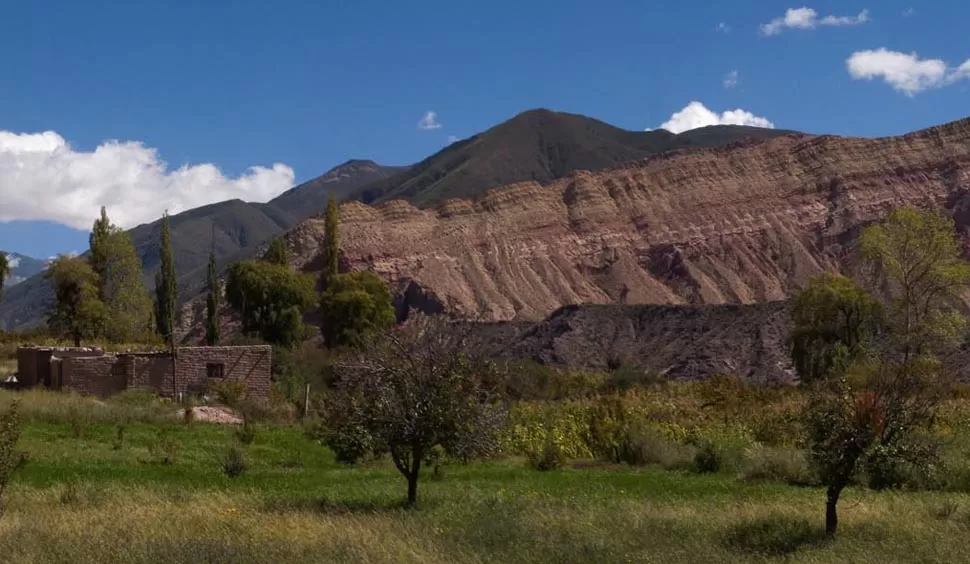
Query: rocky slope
<point>740,224</point>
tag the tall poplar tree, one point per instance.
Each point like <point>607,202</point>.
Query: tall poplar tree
<point>166,291</point>
<point>98,242</point>
<point>331,243</point>
<point>212,302</point>
<point>4,270</point>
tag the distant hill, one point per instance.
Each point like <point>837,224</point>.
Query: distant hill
<point>236,228</point>
<point>539,145</point>
<point>22,267</point>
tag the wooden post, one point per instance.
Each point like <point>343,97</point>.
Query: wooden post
<point>306,401</point>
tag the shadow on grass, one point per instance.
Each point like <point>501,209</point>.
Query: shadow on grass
<point>328,506</point>
<point>773,536</point>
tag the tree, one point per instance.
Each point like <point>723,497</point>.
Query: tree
<point>77,312</point>
<point>10,458</point>
<point>411,391</point>
<point>354,305</point>
<point>166,290</point>
<point>212,328</point>
<point>271,300</point>
<point>277,253</point>
<point>832,311</point>
<point>123,291</point>
<point>4,270</point>
<point>331,243</point>
<point>98,240</point>
<point>917,268</point>
<point>880,392</point>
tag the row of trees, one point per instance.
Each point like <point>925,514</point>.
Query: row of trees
<point>103,296</point>
<point>876,352</point>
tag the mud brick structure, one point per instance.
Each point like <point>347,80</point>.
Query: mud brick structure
<point>193,370</point>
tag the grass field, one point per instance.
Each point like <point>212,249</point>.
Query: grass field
<point>83,497</point>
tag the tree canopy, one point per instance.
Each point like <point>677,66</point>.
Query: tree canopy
<point>166,288</point>
<point>354,305</point>
<point>78,311</point>
<point>271,300</point>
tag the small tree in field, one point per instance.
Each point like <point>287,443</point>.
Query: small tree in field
<point>411,391</point>
<point>873,397</point>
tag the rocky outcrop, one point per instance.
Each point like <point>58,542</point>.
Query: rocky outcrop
<point>740,224</point>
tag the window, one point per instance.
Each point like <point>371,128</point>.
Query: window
<point>215,370</point>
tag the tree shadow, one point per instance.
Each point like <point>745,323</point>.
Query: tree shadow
<point>329,506</point>
<point>773,536</point>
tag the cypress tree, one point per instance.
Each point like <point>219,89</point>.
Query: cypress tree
<point>166,291</point>
<point>212,302</point>
<point>98,243</point>
<point>277,253</point>
<point>4,270</point>
<point>331,243</point>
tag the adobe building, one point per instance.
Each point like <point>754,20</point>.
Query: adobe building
<point>91,371</point>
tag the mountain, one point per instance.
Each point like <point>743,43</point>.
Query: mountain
<point>740,224</point>
<point>235,228</point>
<point>537,145</point>
<point>22,267</point>
<point>540,146</point>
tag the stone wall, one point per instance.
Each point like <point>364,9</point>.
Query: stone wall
<point>197,366</point>
<point>152,371</point>
<point>34,363</point>
<point>97,376</point>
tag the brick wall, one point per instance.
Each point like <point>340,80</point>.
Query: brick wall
<point>150,371</point>
<point>98,376</point>
<point>34,363</point>
<point>250,364</point>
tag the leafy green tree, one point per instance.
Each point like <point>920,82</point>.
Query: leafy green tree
<point>212,328</point>
<point>410,392</point>
<point>880,394</point>
<point>277,253</point>
<point>917,267</point>
<point>832,311</point>
<point>98,241</point>
<point>4,270</point>
<point>271,300</point>
<point>77,312</point>
<point>354,305</point>
<point>331,243</point>
<point>123,291</point>
<point>166,289</point>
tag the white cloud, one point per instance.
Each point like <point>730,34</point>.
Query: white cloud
<point>908,12</point>
<point>807,18</point>
<point>452,139</point>
<point>43,178</point>
<point>429,121</point>
<point>732,79</point>
<point>905,72</point>
<point>723,27</point>
<point>695,115</point>
<point>13,261</point>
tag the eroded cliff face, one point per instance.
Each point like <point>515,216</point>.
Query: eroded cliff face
<point>740,224</point>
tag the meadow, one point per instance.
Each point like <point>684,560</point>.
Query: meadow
<point>88,494</point>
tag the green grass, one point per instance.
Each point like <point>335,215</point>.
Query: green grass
<point>81,499</point>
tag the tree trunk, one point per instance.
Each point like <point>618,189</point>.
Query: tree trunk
<point>77,340</point>
<point>413,482</point>
<point>831,514</point>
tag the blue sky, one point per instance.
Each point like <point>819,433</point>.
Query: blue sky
<point>295,88</point>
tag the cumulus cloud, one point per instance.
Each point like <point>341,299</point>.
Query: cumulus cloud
<point>13,261</point>
<point>807,18</point>
<point>429,121</point>
<point>43,178</point>
<point>905,72</point>
<point>732,79</point>
<point>723,27</point>
<point>696,115</point>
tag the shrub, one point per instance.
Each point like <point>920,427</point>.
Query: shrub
<point>234,464</point>
<point>707,460</point>
<point>119,440</point>
<point>164,449</point>
<point>772,536</point>
<point>247,433</point>
<point>549,457</point>
<point>230,392</point>
<point>947,510</point>
<point>630,376</point>
<point>643,445</point>
<point>10,459</point>
<point>780,465</point>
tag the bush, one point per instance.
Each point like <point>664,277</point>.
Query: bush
<point>778,465</point>
<point>164,449</point>
<point>772,536</point>
<point>230,392</point>
<point>549,457</point>
<point>707,460</point>
<point>247,433</point>
<point>643,445</point>
<point>234,464</point>
<point>10,459</point>
<point>119,440</point>
<point>630,376</point>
